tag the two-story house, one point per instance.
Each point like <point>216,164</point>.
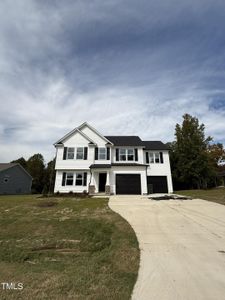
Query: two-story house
<point>88,161</point>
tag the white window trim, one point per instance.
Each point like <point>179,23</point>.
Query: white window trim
<point>126,154</point>
<point>70,152</point>
<point>67,179</point>
<point>105,150</point>
<point>154,157</point>
<point>74,178</point>
<point>82,153</point>
<point>158,157</point>
<point>74,153</point>
<point>82,179</point>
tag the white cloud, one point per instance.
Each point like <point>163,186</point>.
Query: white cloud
<point>110,65</point>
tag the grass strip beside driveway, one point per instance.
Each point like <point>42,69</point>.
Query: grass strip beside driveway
<point>215,195</point>
<point>66,248</point>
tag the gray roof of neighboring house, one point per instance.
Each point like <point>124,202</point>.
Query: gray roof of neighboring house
<point>5,166</point>
<point>125,140</point>
<point>154,145</point>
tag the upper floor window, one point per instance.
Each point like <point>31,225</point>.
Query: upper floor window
<point>154,157</point>
<point>157,158</point>
<point>80,153</point>
<point>126,154</point>
<point>70,153</point>
<point>151,157</point>
<point>101,153</point>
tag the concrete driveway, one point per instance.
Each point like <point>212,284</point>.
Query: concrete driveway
<point>182,247</point>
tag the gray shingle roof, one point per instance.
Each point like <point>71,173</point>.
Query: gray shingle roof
<point>128,165</point>
<point>154,145</point>
<point>124,140</point>
<point>5,166</point>
<point>100,166</point>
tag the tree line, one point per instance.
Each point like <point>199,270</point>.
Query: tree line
<point>43,175</point>
<point>195,160</point>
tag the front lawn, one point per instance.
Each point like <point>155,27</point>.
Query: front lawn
<point>215,195</point>
<point>66,248</point>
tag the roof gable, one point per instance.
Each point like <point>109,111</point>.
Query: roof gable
<point>94,134</point>
<point>71,133</point>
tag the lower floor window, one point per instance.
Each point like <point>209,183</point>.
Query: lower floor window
<point>69,178</point>
<point>79,178</point>
<point>73,178</point>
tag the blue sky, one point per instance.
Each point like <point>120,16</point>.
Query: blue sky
<point>126,67</point>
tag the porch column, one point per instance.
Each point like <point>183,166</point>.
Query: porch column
<point>92,185</point>
<point>107,185</point>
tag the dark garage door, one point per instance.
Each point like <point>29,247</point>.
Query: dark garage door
<point>128,184</point>
<point>157,184</point>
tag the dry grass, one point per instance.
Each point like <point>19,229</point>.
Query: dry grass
<point>215,195</point>
<point>71,249</point>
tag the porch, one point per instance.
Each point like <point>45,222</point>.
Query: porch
<point>100,179</point>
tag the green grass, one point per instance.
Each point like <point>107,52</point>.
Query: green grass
<point>66,248</point>
<point>215,195</point>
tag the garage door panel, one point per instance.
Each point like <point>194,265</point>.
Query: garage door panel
<point>128,184</point>
<point>157,184</point>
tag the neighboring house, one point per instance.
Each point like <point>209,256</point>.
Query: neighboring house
<point>88,161</point>
<point>14,179</point>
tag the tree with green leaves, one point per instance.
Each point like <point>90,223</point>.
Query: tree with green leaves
<point>36,168</point>
<point>49,177</point>
<point>190,159</point>
<point>21,161</point>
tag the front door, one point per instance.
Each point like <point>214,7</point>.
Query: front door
<point>101,182</point>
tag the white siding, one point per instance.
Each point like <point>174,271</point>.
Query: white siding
<point>163,169</point>
<point>94,136</point>
<point>76,140</point>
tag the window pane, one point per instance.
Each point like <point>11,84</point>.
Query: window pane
<point>69,179</point>
<point>70,153</point>
<point>102,153</point>
<point>130,155</point>
<point>79,179</point>
<point>80,153</point>
<point>151,158</point>
<point>157,157</point>
<point>122,155</point>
